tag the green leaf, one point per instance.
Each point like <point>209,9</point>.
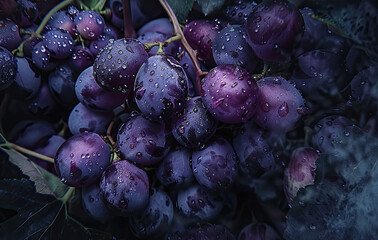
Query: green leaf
<point>39,216</point>
<point>91,4</point>
<point>45,182</point>
<point>181,8</point>
<point>3,141</point>
<point>210,6</point>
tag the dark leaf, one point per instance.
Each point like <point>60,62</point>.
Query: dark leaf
<point>3,141</point>
<point>210,6</point>
<point>181,8</point>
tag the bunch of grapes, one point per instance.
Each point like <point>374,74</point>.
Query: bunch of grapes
<point>204,130</point>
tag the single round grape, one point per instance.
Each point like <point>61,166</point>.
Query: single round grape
<point>258,231</point>
<point>26,13</point>
<point>363,86</point>
<point>230,47</point>
<point>81,58</point>
<point>125,188</point>
<point>155,220</point>
<point>300,171</point>
<point>161,87</point>
<point>83,119</point>
<point>273,28</point>
<point>95,97</point>
<point>280,105</point>
<point>162,25</point>
<point>89,24</point>
<point>230,93</point>
<point>81,159</point>
<point>194,126</point>
<point>62,20</point>
<point>142,140</point>
<point>59,43</point>
<point>215,166</point>
<point>9,34</point>
<point>174,169</point>
<point>94,204</point>
<point>195,201</point>
<point>42,59</point>
<point>8,68</point>
<point>27,81</point>
<point>117,64</point>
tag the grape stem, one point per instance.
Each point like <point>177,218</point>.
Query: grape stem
<point>192,54</point>
<point>67,195</point>
<point>148,46</point>
<point>109,135</point>
<point>30,152</point>
<point>128,28</point>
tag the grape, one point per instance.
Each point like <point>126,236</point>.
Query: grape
<point>215,166</point>
<point>142,140</point>
<point>89,24</point>
<point>155,220</point>
<point>230,47</point>
<point>200,35</point>
<point>273,28</point>
<point>61,83</point>
<point>258,231</point>
<point>26,13</point>
<point>195,201</point>
<point>161,87</point>
<point>97,44</point>
<point>253,151</point>
<point>280,105</point>
<point>43,103</point>
<point>81,159</point>
<point>8,68</point>
<point>125,188</point>
<point>28,46</point>
<point>363,86</point>
<point>42,59</point>
<point>162,25</point>
<point>174,169</point>
<point>301,170</point>
<point>59,43</point>
<point>230,93</point>
<point>83,119</point>
<point>237,12</point>
<point>94,204</point>
<point>95,97</point>
<point>27,80</point>
<point>81,58</point>
<point>117,12</point>
<point>9,34</point>
<point>117,64</point>
<point>61,20</point>
<point>51,146</point>
<point>328,130</point>
<point>194,126</point>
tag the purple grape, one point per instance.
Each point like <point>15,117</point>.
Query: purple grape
<point>125,188</point>
<point>237,12</point>
<point>300,171</point>
<point>26,13</point>
<point>200,35</point>
<point>8,68</point>
<point>142,140</point>
<point>258,231</point>
<point>363,86</point>
<point>95,97</point>
<point>89,24</point>
<point>81,58</point>
<point>230,47</point>
<point>94,204</point>
<point>279,106</point>
<point>162,25</point>
<point>27,80</point>
<point>155,220</point>
<point>61,83</point>
<point>230,93</point>
<point>83,119</point>
<point>62,20</point>
<point>117,64</point>
<point>194,126</point>
<point>215,166</point>
<point>9,34</point>
<point>195,201</point>
<point>151,37</point>
<point>101,41</point>
<point>161,87</point>
<point>174,169</point>
<point>81,159</point>
<point>253,151</point>
<point>51,146</point>
<point>328,130</point>
<point>42,103</point>
<point>42,59</point>
<point>272,29</point>
<point>188,66</point>
<point>59,43</point>
<point>117,12</point>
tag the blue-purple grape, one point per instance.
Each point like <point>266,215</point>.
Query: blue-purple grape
<point>162,25</point>
<point>142,140</point>
<point>155,220</point>
<point>161,87</point>
<point>27,80</point>
<point>62,20</point>
<point>83,119</point>
<point>42,59</point>
<point>101,41</point>
<point>237,12</point>
<point>43,103</point>
<point>26,13</point>
<point>363,87</point>
<point>59,43</point>
<point>125,188</point>
<point>8,68</point>
<point>230,93</point>
<point>89,24</point>
<point>9,34</point>
<point>81,159</point>
<point>51,146</point>
<point>81,58</point>
<point>94,204</point>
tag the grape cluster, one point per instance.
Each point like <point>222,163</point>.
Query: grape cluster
<point>179,139</point>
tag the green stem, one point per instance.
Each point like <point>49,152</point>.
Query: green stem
<point>262,74</point>
<point>30,152</point>
<point>67,195</point>
<point>160,50</point>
